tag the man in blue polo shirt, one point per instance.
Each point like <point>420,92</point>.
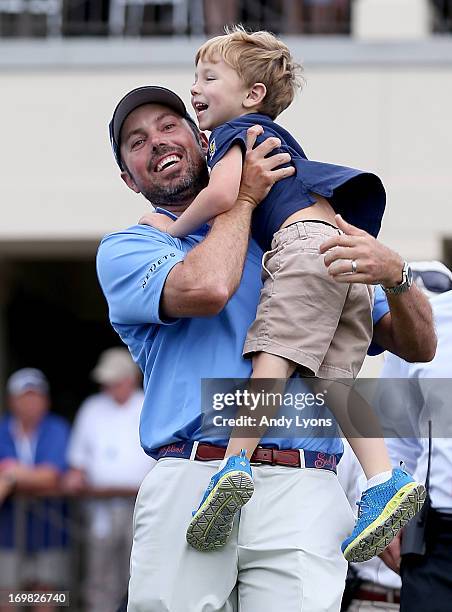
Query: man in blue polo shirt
<point>34,550</point>
<point>183,307</point>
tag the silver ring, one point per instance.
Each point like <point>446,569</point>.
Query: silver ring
<point>354,266</point>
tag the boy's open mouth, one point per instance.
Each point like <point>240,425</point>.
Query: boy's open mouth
<point>200,107</point>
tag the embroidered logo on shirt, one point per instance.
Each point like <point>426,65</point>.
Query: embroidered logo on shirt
<point>212,148</point>
<point>171,448</point>
<point>323,459</point>
<point>153,267</point>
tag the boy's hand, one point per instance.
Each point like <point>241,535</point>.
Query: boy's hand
<point>259,172</point>
<point>157,220</point>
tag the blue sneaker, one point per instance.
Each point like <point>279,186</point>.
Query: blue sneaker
<point>383,511</point>
<point>228,490</point>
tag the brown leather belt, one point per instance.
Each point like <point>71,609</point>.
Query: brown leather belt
<point>296,458</point>
<point>388,595</point>
<point>272,456</point>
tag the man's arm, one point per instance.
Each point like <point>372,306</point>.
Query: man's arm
<point>209,275</point>
<point>407,330</point>
<point>30,479</point>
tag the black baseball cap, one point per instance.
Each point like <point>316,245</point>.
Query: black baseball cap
<point>149,94</point>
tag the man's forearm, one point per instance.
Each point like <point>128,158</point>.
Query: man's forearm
<point>36,479</point>
<point>221,256</point>
<point>232,230</point>
<point>202,284</point>
<point>408,330</point>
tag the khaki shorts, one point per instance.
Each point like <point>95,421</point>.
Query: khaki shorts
<point>304,315</point>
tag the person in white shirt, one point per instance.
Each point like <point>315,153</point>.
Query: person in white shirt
<point>427,579</point>
<point>379,586</point>
<point>106,459</point>
<point>426,582</point>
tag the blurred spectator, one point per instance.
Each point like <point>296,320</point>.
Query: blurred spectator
<point>293,21</point>
<point>427,577</point>
<point>426,582</point>
<point>218,14</point>
<point>442,15</point>
<point>33,443</point>
<point>105,456</point>
<point>327,16</point>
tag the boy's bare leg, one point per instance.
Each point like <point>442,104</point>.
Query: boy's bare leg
<point>360,426</point>
<point>232,486</point>
<point>276,370</point>
<point>391,497</point>
<point>372,454</point>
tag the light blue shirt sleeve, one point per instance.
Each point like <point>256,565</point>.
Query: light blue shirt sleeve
<point>132,267</point>
<point>381,307</point>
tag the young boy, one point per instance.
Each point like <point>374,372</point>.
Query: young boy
<point>305,320</point>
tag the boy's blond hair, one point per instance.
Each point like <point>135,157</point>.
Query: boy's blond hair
<point>257,57</point>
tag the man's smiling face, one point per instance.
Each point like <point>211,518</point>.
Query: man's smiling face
<point>163,158</point>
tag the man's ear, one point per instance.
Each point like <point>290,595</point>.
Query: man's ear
<point>204,141</point>
<point>128,180</point>
<point>255,95</point>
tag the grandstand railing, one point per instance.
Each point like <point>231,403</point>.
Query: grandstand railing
<point>144,18</point>
<point>41,18</point>
<point>71,525</point>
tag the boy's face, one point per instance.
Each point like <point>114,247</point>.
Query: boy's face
<point>217,94</point>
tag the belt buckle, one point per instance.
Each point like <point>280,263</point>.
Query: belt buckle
<point>270,461</point>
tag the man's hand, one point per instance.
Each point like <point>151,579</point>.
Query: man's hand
<point>157,220</point>
<point>74,481</point>
<point>407,329</point>
<point>391,555</point>
<point>259,172</point>
<point>375,263</point>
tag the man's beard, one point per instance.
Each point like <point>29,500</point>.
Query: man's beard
<point>181,189</point>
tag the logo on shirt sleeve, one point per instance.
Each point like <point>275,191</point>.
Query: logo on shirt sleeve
<point>153,267</point>
<point>212,148</point>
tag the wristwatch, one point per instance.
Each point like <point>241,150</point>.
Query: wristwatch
<point>407,281</point>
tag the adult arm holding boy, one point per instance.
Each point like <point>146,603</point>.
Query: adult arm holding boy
<point>406,327</point>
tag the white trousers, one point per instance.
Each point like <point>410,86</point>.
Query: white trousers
<point>283,554</point>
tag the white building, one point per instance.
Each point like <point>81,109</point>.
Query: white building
<point>380,99</point>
